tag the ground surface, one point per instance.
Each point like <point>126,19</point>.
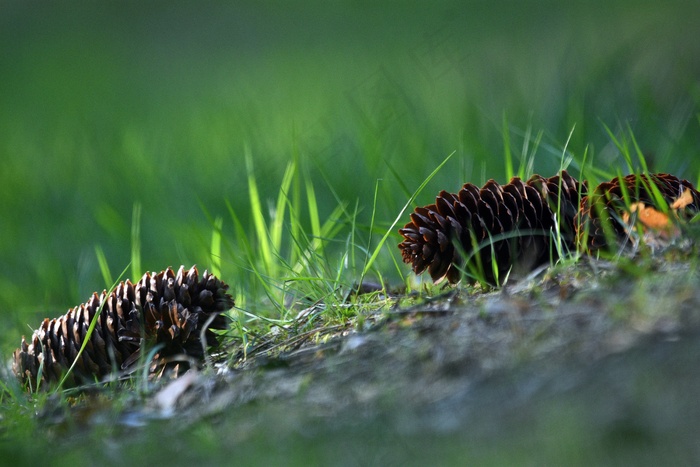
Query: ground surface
<point>578,366</point>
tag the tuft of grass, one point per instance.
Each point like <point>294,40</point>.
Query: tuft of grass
<point>290,264</point>
<point>288,260</point>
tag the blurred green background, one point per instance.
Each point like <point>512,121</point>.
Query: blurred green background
<point>108,104</point>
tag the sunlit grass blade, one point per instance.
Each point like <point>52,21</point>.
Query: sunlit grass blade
<point>494,262</point>
<point>527,164</point>
<point>136,270</point>
<point>313,209</point>
<point>277,222</point>
<point>307,248</point>
<point>249,254</point>
<point>369,239</point>
<point>215,250</point>
<point>507,155</point>
<point>352,240</point>
<point>566,157</point>
<point>261,230</point>
<point>104,267</point>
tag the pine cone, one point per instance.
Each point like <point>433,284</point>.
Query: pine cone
<point>608,206</point>
<point>161,309</point>
<point>511,224</point>
<point>563,194</point>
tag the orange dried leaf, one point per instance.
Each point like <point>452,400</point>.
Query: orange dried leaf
<point>683,200</point>
<point>650,217</point>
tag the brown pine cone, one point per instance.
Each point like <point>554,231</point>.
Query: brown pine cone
<point>565,206</point>
<point>496,227</point>
<point>161,309</point>
<point>610,204</point>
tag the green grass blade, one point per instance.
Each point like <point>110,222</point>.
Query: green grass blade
<point>371,229</point>
<point>622,146</point>
<point>215,250</point>
<point>258,218</point>
<point>353,230</point>
<point>390,230</point>
<point>638,151</point>
<point>399,180</point>
<point>90,330</point>
<point>526,167</point>
<point>240,232</point>
<point>250,255</point>
<point>313,209</point>
<point>277,224</point>
<point>566,157</point>
<point>104,267</point>
<point>507,155</point>
<point>136,270</point>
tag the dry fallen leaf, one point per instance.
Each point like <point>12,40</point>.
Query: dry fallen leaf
<point>650,217</point>
<point>658,227</point>
<point>683,200</point>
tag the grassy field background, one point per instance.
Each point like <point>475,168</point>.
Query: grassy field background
<point>104,107</point>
